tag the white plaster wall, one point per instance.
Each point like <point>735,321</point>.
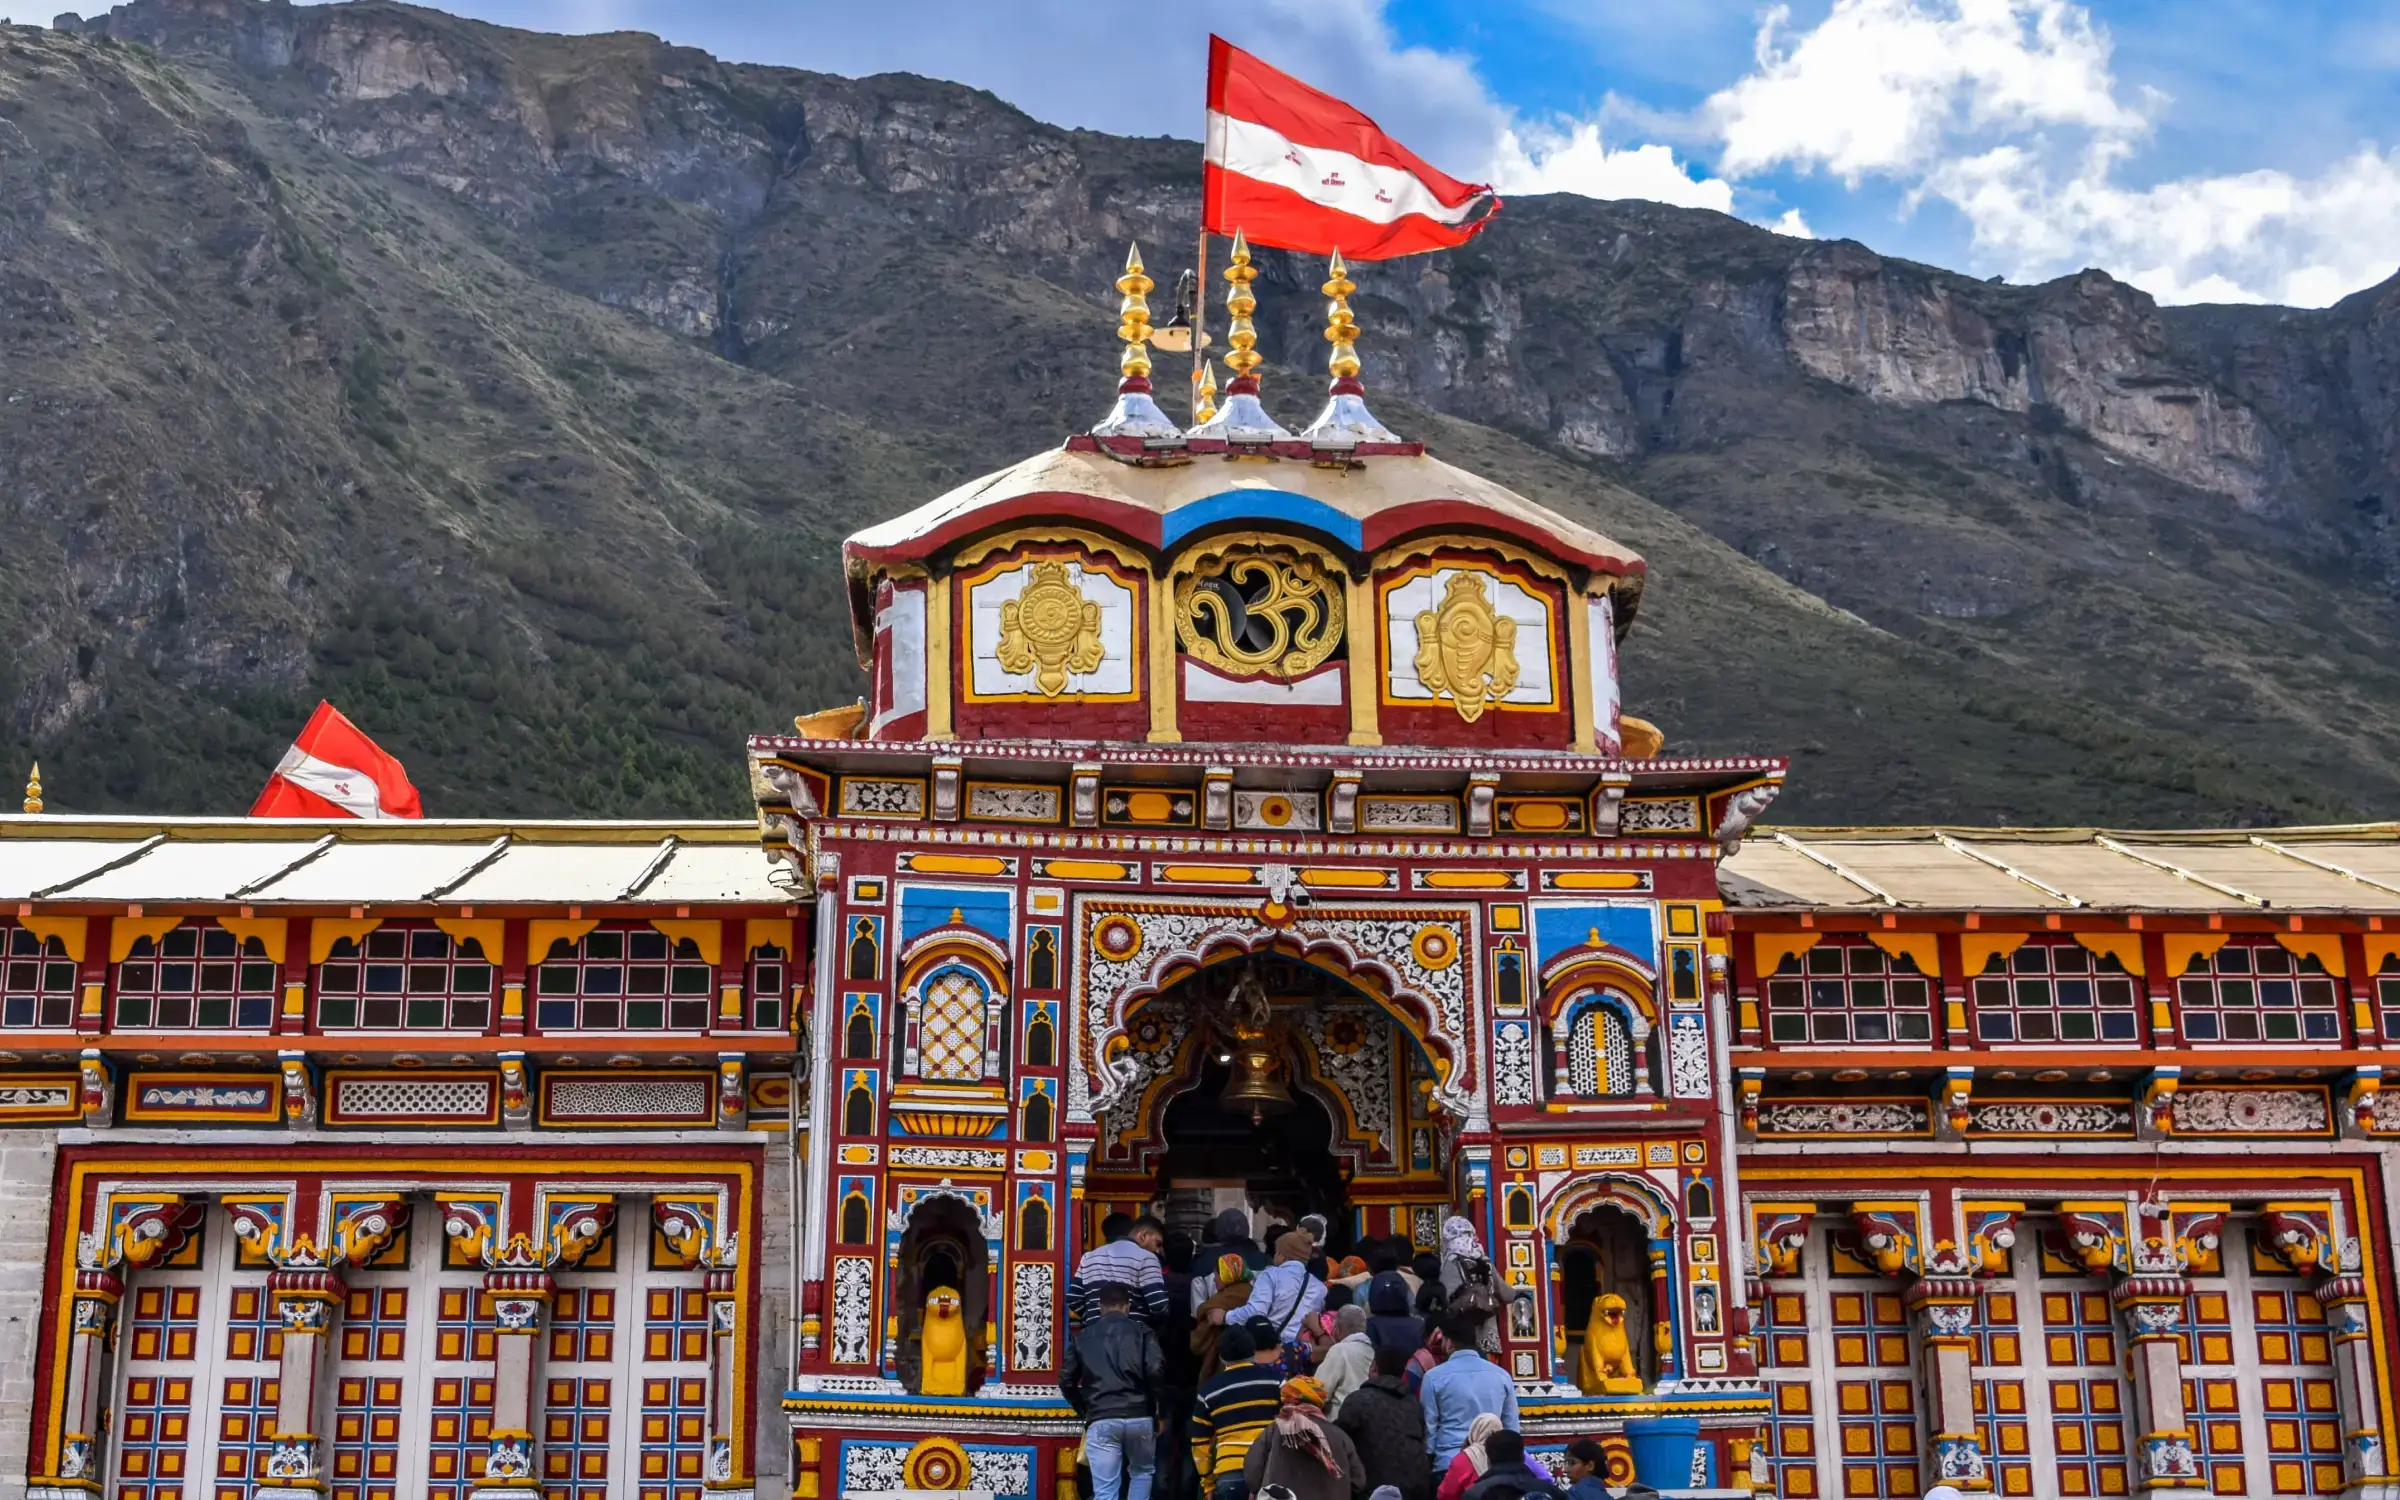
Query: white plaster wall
<point>27,1158</point>
<point>777,1332</point>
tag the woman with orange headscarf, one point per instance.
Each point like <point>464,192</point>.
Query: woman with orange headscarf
<point>1303,1453</point>
<point>1233,1289</point>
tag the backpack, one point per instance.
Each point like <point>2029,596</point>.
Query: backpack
<point>1477,1295</point>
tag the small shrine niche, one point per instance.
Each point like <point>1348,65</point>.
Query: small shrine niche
<point>1607,1254</point>
<point>942,1250</point>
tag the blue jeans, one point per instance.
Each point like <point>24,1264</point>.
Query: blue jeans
<point>1122,1452</point>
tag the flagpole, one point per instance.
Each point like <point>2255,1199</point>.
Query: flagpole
<point>1200,317</point>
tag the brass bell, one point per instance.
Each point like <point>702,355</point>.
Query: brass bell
<point>1257,1084</point>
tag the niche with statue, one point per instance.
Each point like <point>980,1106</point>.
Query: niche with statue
<point>1605,1297</point>
<point>942,1294</point>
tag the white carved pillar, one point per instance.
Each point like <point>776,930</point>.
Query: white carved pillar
<point>305,1300</point>
<point>1945,1304</point>
<point>2151,1305</point>
<point>93,1338</point>
<point>724,1370</point>
<point>518,1298</point>
<point>2366,1475</point>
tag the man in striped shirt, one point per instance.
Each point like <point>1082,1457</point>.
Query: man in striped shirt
<point>1129,1258</point>
<point>1233,1408</point>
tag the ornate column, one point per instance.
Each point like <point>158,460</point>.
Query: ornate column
<point>130,1232</point>
<point>305,1300</point>
<point>2151,1307</point>
<point>2365,1471</point>
<point>1662,1308</point>
<point>93,1339</point>
<point>1945,1303</point>
<point>518,1298</point>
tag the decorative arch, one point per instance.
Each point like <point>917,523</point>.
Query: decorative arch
<point>1603,967</point>
<point>1638,1196</point>
<point>953,987</point>
<point>1412,961</point>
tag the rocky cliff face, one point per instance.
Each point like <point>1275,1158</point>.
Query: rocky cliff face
<point>2141,545</point>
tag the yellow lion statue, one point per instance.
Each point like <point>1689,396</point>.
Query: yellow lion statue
<point>942,1346</point>
<point>1607,1366</point>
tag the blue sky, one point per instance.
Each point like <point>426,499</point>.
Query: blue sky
<point>2202,149</point>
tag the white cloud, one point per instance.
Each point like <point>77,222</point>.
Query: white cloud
<point>1879,84</point>
<point>1537,159</point>
<point>2010,111</point>
<point>1792,224</point>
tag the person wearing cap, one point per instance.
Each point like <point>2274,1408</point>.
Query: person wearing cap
<point>1584,1463</point>
<point>1284,1294</point>
<point>1348,1360</point>
<point>1232,1409</point>
<point>1507,1475</point>
<point>1304,1453</point>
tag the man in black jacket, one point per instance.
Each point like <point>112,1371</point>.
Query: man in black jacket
<point>1113,1370</point>
<point>1387,1426</point>
<point>1508,1476</point>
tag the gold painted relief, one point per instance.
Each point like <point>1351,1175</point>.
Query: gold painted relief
<point>1466,649</point>
<point>1259,612</point>
<point>1050,629</point>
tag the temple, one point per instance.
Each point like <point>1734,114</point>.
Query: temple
<point>1232,817</point>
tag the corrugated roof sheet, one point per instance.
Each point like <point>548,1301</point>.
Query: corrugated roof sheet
<point>267,862</point>
<point>2000,869</point>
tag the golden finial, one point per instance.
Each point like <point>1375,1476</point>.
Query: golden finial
<point>1341,329</point>
<point>1204,399</point>
<point>1239,304</point>
<point>33,789</point>
<point>1345,422</point>
<point>1133,316</point>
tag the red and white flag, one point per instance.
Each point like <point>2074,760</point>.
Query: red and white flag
<point>1300,170</point>
<point>334,771</point>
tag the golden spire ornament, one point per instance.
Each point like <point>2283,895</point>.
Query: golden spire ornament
<point>1136,414</point>
<point>1204,392</point>
<point>1345,422</point>
<point>1242,420</point>
<point>33,789</point>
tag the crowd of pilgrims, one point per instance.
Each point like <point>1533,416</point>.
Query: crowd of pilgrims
<point>1237,1370</point>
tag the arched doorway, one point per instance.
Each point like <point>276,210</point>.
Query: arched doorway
<point>1348,1117</point>
<point>942,1249</point>
<point>1607,1250</point>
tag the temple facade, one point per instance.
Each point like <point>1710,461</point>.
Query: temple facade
<point>1232,818</point>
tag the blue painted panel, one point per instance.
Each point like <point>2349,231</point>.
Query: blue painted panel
<point>1278,506</point>
<point>1632,926</point>
<point>987,909</point>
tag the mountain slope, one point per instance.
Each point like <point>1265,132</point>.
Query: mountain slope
<point>516,390</point>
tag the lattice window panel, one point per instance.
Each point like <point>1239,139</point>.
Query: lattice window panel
<point>575,1438</point>
<point>418,977</point>
<point>1874,1391</point>
<point>2258,1380</point>
<point>950,1026</point>
<point>2089,1401</point>
<point>2258,992</point>
<point>1849,992</point>
<point>2004,1426</point>
<point>674,1437</point>
<point>583,1325</point>
<point>463,1327</point>
<point>245,1426</point>
<point>196,976</point>
<point>375,1324</point>
<point>413,1098</point>
<point>154,1437</point>
<point>363,1461</point>
<point>253,1328</point>
<point>1786,1342</point>
<point>624,979</point>
<point>458,1436</point>
<point>1599,1054</point>
<point>674,1324</point>
<point>2056,992</point>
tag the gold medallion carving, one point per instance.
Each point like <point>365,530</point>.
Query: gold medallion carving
<point>1257,612</point>
<point>1466,649</point>
<point>1050,629</point>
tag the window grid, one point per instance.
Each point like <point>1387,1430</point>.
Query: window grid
<point>2387,990</point>
<point>195,978</point>
<point>1874,1392</point>
<point>1785,1337</point>
<point>245,1428</point>
<point>404,976</point>
<point>2258,993</point>
<point>37,981</point>
<point>575,1424</point>
<point>459,1436</point>
<point>375,1323</point>
<point>770,988</point>
<point>2056,992</point>
<point>2003,1425</point>
<point>624,979</point>
<point>1843,992</point>
<point>2087,1396</point>
<point>154,1438</point>
<point>365,1455</point>
<point>676,1324</point>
